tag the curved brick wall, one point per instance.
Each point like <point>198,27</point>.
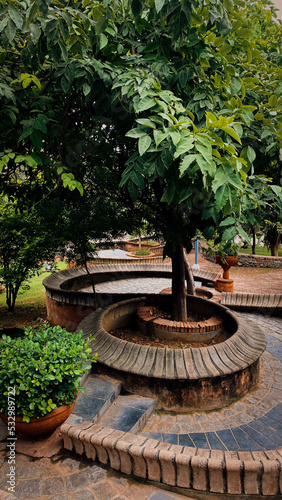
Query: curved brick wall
<point>67,306</point>
<point>197,378</point>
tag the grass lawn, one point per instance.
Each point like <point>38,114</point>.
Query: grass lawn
<point>30,304</point>
<point>260,251</point>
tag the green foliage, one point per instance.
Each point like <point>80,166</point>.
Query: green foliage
<point>142,251</point>
<point>228,248</point>
<point>44,367</point>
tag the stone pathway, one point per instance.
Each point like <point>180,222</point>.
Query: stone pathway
<point>252,424</point>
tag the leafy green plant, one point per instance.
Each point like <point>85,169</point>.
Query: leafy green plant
<point>44,367</point>
<point>142,251</point>
<point>227,248</point>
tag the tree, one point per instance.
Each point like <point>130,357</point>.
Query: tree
<point>196,83</point>
<point>25,242</point>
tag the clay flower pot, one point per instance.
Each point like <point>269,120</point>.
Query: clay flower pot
<point>226,262</point>
<point>42,425</point>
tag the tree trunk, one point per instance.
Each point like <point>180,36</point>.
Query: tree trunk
<point>179,308</point>
<point>139,242</point>
<point>274,249</point>
<point>189,276</point>
<point>254,240</point>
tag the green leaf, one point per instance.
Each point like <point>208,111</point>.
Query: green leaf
<point>138,180</point>
<point>205,152</point>
<point>86,89</point>
<point>101,25</point>
<point>221,196</point>
<point>232,132</point>
<point>242,233</point>
<point>186,162</point>
<point>159,4</point>
<point>146,122</point>
<point>133,190</point>
<point>184,145</point>
<point>15,16</point>
<point>251,155</point>
<point>144,144</point>
<point>168,194</point>
<point>135,133</point>
<point>103,41</point>
<point>10,30</point>
<point>228,222</point>
<point>159,136</point>
<point>229,233</point>
<point>144,104</point>
<point>235,85</point>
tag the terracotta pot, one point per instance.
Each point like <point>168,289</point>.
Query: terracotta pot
<point>226,262</point>
<point>42,425</point>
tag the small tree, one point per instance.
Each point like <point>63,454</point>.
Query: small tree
<point>25,242</point>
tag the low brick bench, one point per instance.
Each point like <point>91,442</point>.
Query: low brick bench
<point>191,469</point>
<point>249,301</point>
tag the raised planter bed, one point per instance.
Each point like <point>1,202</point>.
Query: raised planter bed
<point>180,379</point>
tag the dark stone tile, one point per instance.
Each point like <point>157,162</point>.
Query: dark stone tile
<point>245,442</point>
<point>266,431</point>
<point>170,438</point>
<point>156,435</point>
<point>99,387</point>
<point>185,440</point>
<point>278,410</point>
<point>159,495</point>
<point>214,441</point>
<point>200,440</point>
<point>123,419</point>
<point>140,403</point>
<point>273,424</point>
<point>87,406</point>
<point>263,441</point>
<point>228,439</point>
<point>274,416</point>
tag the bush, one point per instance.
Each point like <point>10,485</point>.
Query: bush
<point>44,367</point>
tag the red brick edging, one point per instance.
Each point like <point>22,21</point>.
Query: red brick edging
<point>235,473</point>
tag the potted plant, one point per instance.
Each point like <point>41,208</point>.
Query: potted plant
<point>40,375</point>
<point>226,255</point>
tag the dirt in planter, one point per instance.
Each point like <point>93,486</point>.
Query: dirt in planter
<point>138,338</point>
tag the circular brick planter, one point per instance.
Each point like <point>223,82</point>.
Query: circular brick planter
<point>151,324</point>
<point>180,379</point>
<point>67,305</point>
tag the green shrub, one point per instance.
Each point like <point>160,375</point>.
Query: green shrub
<point>44,367</point>
<point>142,251</point>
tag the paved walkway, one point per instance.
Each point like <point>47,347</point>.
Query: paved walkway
<point>252,424</point>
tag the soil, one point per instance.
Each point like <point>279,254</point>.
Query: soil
<point>138,338</point>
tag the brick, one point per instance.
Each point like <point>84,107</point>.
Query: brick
<point>168,468</point>
<point>109,444</point>
<point>151,456</point>
<point>199,467</point>
<point>135,451</point>
<point>183,469</point>
<point>252,474</point>
<point>270,477</point>
<point>216,468</point>
<point>122,446</point>
<point>74,434</point>
<point>233,469</point>
<point>97,440</point>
